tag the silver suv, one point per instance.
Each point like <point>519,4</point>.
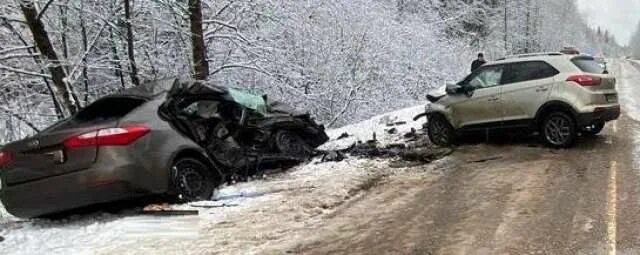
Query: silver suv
<point>557,95</point>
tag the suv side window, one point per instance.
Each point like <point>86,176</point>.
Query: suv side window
<point>486,77</point>
<point>528,71</point>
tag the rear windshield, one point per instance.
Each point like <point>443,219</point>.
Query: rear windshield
<point>103,110</point>
<point>108,109</point>
<point>588,65</point>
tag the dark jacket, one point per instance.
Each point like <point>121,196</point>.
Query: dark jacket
<point>477,63</point>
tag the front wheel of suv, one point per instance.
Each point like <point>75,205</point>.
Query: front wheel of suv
<point>440,131</point>
<point>559,130</point>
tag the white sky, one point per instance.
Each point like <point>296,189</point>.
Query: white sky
<point>620,17</point>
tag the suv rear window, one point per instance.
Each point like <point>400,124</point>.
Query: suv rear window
<point>588,65</point>
<point>527,71</point>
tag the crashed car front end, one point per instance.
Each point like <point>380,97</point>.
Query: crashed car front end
<point>433,107</point>
<point>241,131</point>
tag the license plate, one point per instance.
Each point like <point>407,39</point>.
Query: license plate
<point>613,98</point>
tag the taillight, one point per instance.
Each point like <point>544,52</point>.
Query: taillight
<point>5,158</point>
<point>108,137</point>
<point>585,80</point>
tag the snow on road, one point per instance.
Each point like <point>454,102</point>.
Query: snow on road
<point>243,218</point>
<point>628,86</point>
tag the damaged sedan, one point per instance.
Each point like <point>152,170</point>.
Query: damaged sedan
<point>169,137</point>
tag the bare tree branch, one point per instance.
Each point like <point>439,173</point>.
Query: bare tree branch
<point>16,48</point>
<point>44,9</point>
<point>20,71</point>
<point>71,75</point>
<point>12,56</point>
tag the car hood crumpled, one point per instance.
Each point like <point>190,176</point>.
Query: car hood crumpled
<point>437,94</point>
<point>260,104</point>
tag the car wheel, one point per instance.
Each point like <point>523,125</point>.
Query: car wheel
<point>291,144</point>
<point>593,129</point>
<point>192,180</point>
<point>559,130</point>
<point>440,131</point>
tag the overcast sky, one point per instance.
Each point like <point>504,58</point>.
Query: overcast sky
<point>619,16</point>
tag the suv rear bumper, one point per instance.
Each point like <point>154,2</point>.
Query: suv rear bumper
<point>599,114</point>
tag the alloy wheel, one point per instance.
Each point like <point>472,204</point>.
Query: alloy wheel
<point>440,132</point>
<point>558,130</point>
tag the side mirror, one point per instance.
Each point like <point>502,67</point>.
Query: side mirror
<point>453,89</point>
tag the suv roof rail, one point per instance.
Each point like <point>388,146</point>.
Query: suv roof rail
<point>528,55</point>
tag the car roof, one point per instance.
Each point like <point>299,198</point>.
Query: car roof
<point>148,90</point>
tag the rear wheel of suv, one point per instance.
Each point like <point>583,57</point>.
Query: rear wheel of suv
<point>440,131</point>
<point>593,129</point>
<point>558,129</point>
<point>192,180</point>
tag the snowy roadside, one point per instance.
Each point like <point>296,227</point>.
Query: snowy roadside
<point>627,74</point>
<point>246,218</point>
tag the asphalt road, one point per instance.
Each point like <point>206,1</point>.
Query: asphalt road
<point>513,197</point>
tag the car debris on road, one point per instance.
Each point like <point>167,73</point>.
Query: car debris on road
<point>414,150</point>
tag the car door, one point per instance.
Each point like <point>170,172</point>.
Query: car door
<point>480,105</point>
<point>526,86</point>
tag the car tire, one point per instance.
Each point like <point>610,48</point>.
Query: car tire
<point>558,130</point>
<point>192,180</point>
<point>440,132</point>
<point>290,143</point>
<point>593,129</point>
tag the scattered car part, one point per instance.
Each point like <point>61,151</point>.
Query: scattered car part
<point>332,156</point>
<point>593,129</point>
<point>343,136</point>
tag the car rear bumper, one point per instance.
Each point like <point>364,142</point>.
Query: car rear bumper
<point>72,190</point>
<point>599,114</point>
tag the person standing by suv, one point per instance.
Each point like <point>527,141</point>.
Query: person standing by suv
<point>478,62</point>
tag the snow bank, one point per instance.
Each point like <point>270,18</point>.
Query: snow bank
<point>628,76</point>
<point>364,130</point>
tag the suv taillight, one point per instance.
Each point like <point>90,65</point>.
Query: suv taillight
<point>5,158</point>
<point>107,137</point>
<point>585,80</point>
